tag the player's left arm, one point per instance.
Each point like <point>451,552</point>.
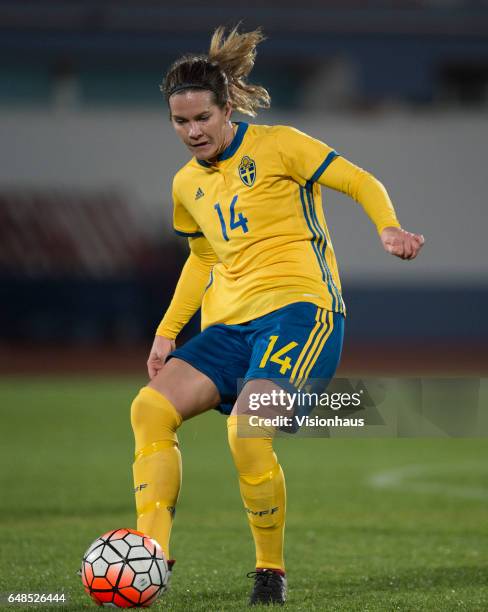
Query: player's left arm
<point>370,193</point>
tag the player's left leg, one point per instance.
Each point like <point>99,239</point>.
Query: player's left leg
<point>263,492</point>
<point>290,347</point>
<point>261,479</point>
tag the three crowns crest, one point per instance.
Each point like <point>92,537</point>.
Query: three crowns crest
<point>247,171</point>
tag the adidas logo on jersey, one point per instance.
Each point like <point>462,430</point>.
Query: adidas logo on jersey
<point>199,194</point>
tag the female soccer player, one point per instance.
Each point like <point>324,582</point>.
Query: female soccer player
<point>262,269</point>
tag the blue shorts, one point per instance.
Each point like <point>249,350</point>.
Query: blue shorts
<point>289,346</point>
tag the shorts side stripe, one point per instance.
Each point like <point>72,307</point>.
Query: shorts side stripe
<point>313,348</point>
<point>309,341</point>
<point>330,329</point>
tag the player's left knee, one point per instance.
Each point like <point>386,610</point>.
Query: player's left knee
<point>252,456</point>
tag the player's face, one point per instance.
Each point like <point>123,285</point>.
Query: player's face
<point>204,127</point>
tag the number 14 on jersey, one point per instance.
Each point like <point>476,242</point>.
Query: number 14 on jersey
<point>241,220</point>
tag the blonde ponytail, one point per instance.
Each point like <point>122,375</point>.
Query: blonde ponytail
<point>223,72</point>
<point>235,55</point>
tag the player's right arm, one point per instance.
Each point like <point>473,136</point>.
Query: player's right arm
<point>371,194</point>
<point>187,299</point>
<point>192,283</point>
<point>308,160</point>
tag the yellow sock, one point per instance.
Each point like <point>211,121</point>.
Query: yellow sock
<point>262,486</point>
<point>157,466</point>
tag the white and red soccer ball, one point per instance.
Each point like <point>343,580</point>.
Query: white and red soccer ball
<point>124,568</point>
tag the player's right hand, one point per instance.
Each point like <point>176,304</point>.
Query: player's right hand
<point>157,356</point>
<point>401,243</point>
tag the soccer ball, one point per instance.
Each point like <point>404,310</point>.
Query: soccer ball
<point>124,569</point>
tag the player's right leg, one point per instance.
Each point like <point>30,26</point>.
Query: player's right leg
<point>178,392</point>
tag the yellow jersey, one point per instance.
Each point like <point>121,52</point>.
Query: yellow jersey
<point>259,206</point>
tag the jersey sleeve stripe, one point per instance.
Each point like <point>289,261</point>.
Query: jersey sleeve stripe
<point>323,166</point>
<point>317,239</point>
<point>321,231</point>
<point>323,238</point>
<point>210,280</point>
<point>188,234</point>
<point>312,231</point>
<point>321,245</point>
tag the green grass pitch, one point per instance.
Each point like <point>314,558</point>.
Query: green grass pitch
<point>66,454</point>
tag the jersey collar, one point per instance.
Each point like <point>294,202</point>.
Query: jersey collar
<point>233,146</point>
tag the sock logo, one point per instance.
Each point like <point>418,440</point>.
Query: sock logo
<point>140,487</point>
<point>262,512</point>
<point>171,510</point>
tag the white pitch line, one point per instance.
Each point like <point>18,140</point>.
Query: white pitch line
<point>411,478</point>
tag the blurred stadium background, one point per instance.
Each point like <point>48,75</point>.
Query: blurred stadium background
<point>88,260</point>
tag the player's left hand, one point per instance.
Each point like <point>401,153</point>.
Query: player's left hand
<point>401,243</point>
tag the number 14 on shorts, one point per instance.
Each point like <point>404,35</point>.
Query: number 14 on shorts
<point>279,355</point>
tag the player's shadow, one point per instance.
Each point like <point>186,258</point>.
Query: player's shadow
<point>424,579</point>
